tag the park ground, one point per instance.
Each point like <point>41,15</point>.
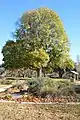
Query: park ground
<point>17,111</point>
<point>28,111</point>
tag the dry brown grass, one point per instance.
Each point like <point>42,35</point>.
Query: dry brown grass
<point>16,111</point>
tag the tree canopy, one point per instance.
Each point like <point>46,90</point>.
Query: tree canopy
<point>41,41</point>
<point>41,28</point>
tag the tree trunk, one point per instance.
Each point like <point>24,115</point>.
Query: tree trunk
<point>12,73</point>
<point>61,72</point>
<point>43,71</point>
<point>39,72</point>
<point>44,74</point>
<point>18,73</point>
<point>23,73</point>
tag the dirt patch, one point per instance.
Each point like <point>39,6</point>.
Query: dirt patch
<point>16,111</point>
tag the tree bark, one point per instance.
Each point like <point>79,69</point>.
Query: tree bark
<point>39,72</point>
<point>61,72</point>
<point>43,71</point>
<point>23,73</point>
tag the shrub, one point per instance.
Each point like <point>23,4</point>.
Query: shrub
<point>47,87</point>
<point>66,91</point>
<point>63,84</point>
<point>34,86</point>
<point>53,86</point>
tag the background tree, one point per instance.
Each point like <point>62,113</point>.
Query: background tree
<point>16,57</point>
<point>9,54</point>
<point>65,66</point>
<point>13,53</point>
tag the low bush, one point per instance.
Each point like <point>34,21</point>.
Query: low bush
<point>35,85</point>
<point>47,87</point>
<point>66,91</point>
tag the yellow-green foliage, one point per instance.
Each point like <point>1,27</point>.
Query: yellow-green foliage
<point>39,58</point>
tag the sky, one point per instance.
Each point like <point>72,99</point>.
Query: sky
<point>68,10</point>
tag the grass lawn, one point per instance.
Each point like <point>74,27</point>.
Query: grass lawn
<point>16,111</point>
